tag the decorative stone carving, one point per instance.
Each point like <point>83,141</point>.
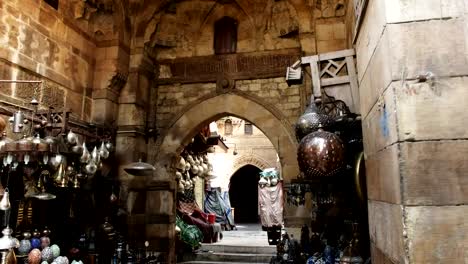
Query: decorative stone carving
<point>236,66</point>
<point>224,84</point>
<point>117,82</point>
<point>250,159</point>
<point>99,12</point>
<point>331,8</point>
<point>103,26</point>
<point>166,34</point>
<point>283,22</point>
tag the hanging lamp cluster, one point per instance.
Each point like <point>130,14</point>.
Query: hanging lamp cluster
<point>190,169</point>
<point>320,153</point>
<point>42,142</point>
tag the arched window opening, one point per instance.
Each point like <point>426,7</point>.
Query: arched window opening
<point>228,127</point>
<point>248,128</point>
<point>225,36</point>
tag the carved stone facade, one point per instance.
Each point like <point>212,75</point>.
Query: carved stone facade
<point>149,68</point>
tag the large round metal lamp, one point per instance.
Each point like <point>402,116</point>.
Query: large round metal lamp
<point>320,154</point>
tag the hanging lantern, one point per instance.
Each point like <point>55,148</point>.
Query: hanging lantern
<point>5,202</point>
<point>320,154</point>
<point>181,164</point>
<point>311,119</point>
<point>72,138</point>
<point>103,151</point>
<point>85,156</point>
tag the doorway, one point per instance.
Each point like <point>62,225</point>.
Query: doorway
<point>243,193</point>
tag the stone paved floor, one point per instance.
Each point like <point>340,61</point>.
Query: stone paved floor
<point>245,235</point>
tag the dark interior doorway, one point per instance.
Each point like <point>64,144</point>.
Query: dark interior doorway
<point>243,193</point>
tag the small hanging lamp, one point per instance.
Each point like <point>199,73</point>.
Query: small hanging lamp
<point>140,169</point>
<point>5,202</point>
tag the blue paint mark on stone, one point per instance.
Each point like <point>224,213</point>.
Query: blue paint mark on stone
<point>384,123</point>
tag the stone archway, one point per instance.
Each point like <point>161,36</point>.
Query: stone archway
<point>249,159</point>
<point>243,194</point>
<point>268,119</point>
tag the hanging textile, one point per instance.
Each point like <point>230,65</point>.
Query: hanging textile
<point>227,203</point>
<point>190,213</point>
<point>270,202</point>
<point>214,204</point>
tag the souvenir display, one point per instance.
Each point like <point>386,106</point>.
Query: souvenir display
<point>55,250</point>
<point>47,254</point>
<point>334,178</point>
<point>34,256</point>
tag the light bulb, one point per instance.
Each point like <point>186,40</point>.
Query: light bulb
<point>26,159</point>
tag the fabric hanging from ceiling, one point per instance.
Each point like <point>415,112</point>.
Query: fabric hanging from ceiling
<point>270,202</point>
<point>214,204</point>
<point>227,203</point>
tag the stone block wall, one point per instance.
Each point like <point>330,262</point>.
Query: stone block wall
<point>172,100</point>
<point>276,92</point>
<point>412,63</point>
<point>313,26</point>
<point>38,43</point>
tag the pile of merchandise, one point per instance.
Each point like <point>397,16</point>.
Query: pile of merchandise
<point>190,169</point>
<point>38,249</point>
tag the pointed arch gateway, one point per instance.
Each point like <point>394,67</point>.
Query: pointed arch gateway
<point>249,159</point>
<point>267,118</point>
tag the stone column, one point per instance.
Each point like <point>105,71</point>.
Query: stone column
<point>412,63</point>
<point>131,139</point>
<point>110,76</point>
<point>149,200</point>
